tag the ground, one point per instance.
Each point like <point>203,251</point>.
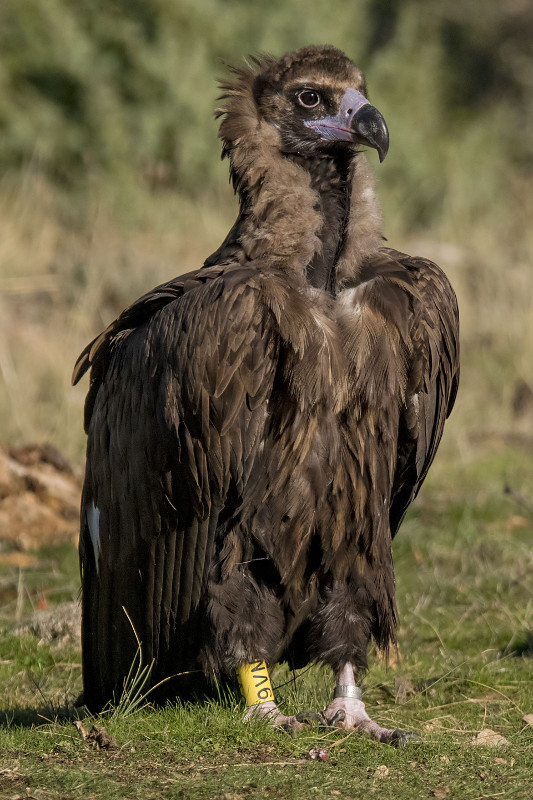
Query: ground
<point>463,566</point>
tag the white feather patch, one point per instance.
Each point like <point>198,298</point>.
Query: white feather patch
<point>93,523</point>
<point>350,299</point>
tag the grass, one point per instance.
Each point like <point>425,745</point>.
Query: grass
<point>61,283</point>
<point>463,565</point>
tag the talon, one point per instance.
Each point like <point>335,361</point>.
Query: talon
<point>270,713</point>
<point>400,738</point>
<point>338,718</point>
<point>310,716</point>
<point>290,729</point>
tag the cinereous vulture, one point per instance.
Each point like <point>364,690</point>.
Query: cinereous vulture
<point>258,428</point>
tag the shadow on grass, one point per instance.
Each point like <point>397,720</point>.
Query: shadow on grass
<point>30,717</point>
<point>72,710</point>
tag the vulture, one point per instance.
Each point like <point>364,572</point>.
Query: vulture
<point>258,428</point>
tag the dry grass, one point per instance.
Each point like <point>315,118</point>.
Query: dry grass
<point>61,284</point>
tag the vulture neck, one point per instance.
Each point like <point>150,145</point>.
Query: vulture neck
<point>316,217</point>
<point>330,180</point>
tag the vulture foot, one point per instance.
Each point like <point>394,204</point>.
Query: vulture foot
<point>402,738</point>
<point>271,713</point>
<point>348,713</point>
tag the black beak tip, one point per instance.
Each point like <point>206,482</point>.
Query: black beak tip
<point>370,128</point>
<point>383,149</point>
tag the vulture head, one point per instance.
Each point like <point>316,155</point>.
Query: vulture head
<point>292,129</point>
<point>315,100</point>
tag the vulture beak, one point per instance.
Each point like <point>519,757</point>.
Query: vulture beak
<point>356,121</point>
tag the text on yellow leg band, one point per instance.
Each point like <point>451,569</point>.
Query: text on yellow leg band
<point>255,683</point>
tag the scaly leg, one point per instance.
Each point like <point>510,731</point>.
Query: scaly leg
<point>257,691</point>
<point>347,711</point>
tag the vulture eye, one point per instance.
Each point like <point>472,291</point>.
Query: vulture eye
<point>308,98</point>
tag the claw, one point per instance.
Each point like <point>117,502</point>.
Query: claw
<point>310,716</point>
<point>349,713</point>
<point>290,729</point>
<point>339,717</point>
<point>300,721</point>
<point>401,738</point>
<point>272,715</point>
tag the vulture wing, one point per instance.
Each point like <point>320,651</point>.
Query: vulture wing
<point>175,410</point>
<point>432,381</point>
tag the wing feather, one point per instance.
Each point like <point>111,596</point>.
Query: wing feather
<point>432,381</point>
<point>176,404</point>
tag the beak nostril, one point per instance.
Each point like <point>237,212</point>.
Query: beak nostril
<point>349,112</point>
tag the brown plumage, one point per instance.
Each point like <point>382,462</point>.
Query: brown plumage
<point>258,428</point>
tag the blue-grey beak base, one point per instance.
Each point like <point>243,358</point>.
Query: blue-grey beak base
<point>356,121</point>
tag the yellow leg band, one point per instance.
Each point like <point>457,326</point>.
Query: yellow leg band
<point>255,683</point>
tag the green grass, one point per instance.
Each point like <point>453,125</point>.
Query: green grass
<point>463,566</point>
<point>53,577</point>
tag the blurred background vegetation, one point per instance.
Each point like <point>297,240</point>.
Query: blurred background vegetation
<point>111,182</point>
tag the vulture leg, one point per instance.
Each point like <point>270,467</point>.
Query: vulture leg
<point>347,711</point>
<point>257,691</point>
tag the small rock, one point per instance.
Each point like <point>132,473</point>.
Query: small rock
<point>59,625</point>
<point>489,738</point>
<point>381,771</point>
<point>528,719</point>
<point>11,774</point>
